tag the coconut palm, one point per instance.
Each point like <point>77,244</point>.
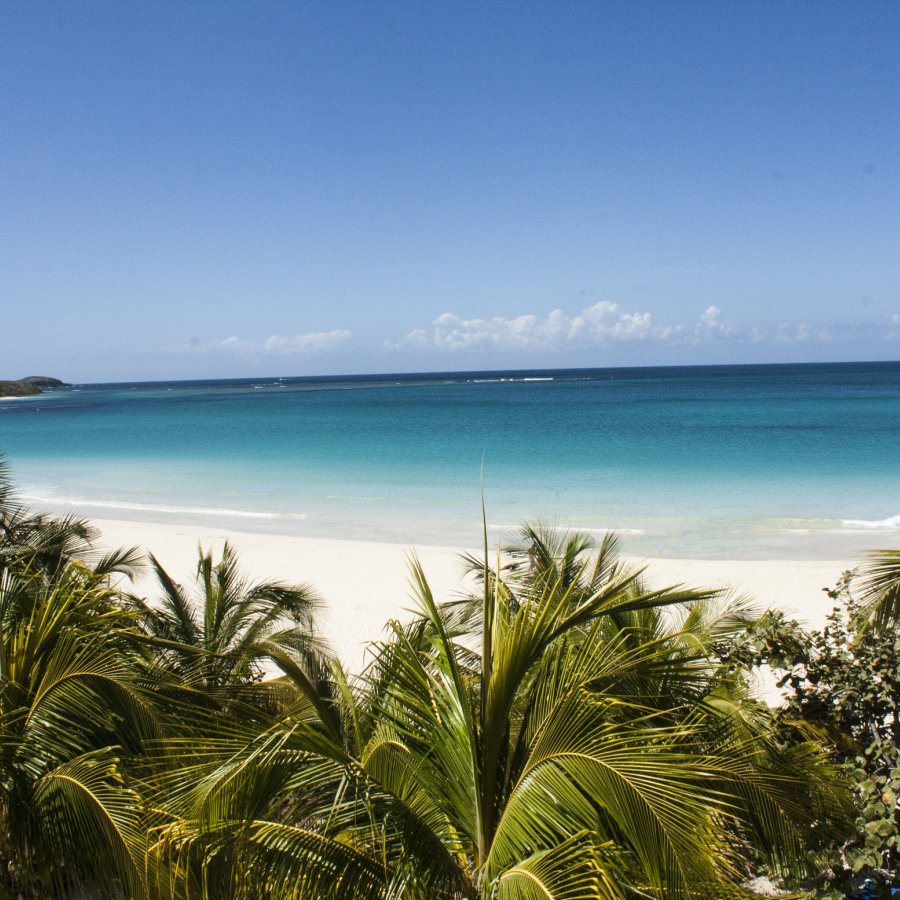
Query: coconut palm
<point>223,630</point>
<point>683,629</point>
<point>521,758</point>
<point>71,706</point>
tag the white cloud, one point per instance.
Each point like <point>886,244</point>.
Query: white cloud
<point>311,342</point>
<point>606,323</point>
<point>603,322</point>
<point>802,333</point>
<point>711,325</point>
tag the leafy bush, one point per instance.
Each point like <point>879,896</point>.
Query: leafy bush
<point>843,681</point>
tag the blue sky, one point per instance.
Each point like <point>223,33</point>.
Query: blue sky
<point>225,189</point>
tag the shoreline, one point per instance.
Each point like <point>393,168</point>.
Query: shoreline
<point>747,541</point>
<point>364,584</point>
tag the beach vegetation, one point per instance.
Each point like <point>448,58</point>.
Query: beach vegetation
<point>565,731</point>
<point>558,735</point>
<point>842,681</point>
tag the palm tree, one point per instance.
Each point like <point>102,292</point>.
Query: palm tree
<point>537,753</point>
<point>221,633</point>
<point>72,704</point>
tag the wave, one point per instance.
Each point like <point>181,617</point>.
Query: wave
<point>163,508</point>
<point>841,526</point>
<point>572,528</point>
<point>501,380</point>
<point>874,524</point>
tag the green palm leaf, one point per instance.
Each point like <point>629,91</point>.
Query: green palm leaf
<point>86,808</point>
<point>879,583</point>
<point>569,871</point>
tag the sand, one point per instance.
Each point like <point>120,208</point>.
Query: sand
<point>365,584</point>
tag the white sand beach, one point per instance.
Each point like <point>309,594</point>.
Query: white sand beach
<point>364,584</point>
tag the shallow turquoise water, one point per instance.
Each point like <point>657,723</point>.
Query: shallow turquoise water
<point>734,461</point>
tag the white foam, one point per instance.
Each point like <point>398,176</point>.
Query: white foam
<point>844,526</point>
<point>887,524</point>
<point>163,508</point>
<point>502,380</point>
<point>598,530</point>
<point>573,528</point>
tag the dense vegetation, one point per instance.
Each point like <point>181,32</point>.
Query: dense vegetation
<point>843,681</point>
<point>565,732</point>
<point>18,389</point>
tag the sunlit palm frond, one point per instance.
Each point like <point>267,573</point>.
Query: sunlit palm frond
<point>569,871</point>
<point>878,585</point>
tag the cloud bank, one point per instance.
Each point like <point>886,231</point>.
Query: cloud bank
<point>607,323</point>
<point>600,323</point>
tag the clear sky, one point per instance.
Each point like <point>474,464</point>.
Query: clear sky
<point>271,188</point>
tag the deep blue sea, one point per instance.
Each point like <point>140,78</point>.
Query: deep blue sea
<point>724,461</point>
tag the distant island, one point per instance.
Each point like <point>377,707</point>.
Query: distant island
<point>30,386</point>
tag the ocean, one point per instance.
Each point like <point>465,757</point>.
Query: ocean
<point>740,462</point>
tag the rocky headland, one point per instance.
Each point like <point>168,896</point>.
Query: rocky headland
<point>30,386</point>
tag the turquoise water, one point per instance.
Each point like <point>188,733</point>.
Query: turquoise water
<point>725,461</point>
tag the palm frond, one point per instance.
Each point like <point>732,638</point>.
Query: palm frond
<point>93,821</point>
<point>878,581</point>
<point>568,871</point>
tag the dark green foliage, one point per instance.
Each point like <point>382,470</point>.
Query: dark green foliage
<point>844,681</point>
